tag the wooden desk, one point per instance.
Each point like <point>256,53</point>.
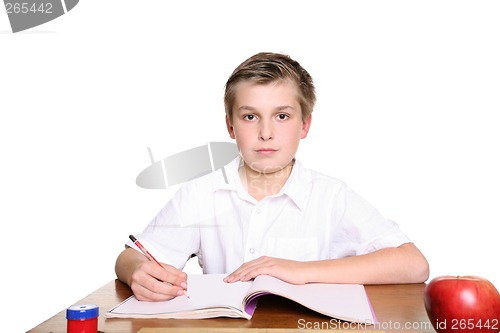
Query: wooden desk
<point>395,306</point>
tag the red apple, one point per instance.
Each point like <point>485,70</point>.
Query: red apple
<point>457,304</point>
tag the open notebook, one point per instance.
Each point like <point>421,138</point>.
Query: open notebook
<point>210,296</point>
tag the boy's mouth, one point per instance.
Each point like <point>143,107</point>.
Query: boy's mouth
<point>266,151</point>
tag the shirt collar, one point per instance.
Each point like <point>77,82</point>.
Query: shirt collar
<point>230,175</point>
<point>296,185</point>
<point>294,188</point>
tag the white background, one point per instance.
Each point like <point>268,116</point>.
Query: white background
<point>407,115</point>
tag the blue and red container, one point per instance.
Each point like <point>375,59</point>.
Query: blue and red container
<point>82,318</point>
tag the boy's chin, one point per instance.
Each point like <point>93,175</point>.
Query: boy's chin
<point>269,168</point>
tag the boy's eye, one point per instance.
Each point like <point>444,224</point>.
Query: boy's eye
<point>282,116</point>
<point>249,117</point>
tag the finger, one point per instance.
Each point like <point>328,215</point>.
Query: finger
<point>244,272</point>
<point>253,272</point>
<point>167,273</point>
<point>147,287</point>
<point>235,276</point>
<point>173,276</point>
<point>150,293</point>
<point>153,282</point>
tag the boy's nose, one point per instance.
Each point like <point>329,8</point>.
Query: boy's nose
<point>266,138</point>
<point>266,132</point>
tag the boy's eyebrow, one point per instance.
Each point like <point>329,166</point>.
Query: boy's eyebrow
<point>246,108</point>
<point>284,107</point>
<point>251,108</point>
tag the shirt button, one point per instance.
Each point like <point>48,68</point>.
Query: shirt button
<point>258,210</point>
<point>252,250</point>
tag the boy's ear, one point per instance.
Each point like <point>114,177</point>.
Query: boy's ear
<point>306,124</point>
<point>230,128</point>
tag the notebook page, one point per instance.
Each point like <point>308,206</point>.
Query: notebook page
<point>342,301</point>
<point>204,290</point>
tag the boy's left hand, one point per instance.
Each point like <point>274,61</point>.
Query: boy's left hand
<point>287,270</point>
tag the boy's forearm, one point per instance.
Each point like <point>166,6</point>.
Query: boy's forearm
<point>404,264</point>
<point>126,264</point>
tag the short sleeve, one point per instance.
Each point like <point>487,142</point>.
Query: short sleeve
<point>173,236</point>
<point>359,228</point>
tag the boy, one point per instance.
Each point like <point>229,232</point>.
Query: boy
<point>272,216</point>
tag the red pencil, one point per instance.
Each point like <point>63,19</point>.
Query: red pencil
<point>143,249</point>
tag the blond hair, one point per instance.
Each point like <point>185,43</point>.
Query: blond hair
<point>266,67</point>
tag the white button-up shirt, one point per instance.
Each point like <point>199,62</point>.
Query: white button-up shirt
<point>313,217</point>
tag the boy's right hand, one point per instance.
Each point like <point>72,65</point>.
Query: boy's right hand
<point>147,279</point>
<point>150,282</point>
